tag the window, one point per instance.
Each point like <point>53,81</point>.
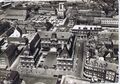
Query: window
<point>85,28</point>
<point>64,69</point>
<point>90,28</point>
<point>60,6</point>
<point>90,73</point>
<point>81,36</point>
<point>100,28</point>
<point>62,36</point>
<point>112,77</point>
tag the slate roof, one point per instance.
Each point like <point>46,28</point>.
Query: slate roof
<point>10,50</point>
<point>10,31</point>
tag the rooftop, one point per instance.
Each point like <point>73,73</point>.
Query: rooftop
<point>16,14</point>
<point>60,35</point>
<point>104,64</point>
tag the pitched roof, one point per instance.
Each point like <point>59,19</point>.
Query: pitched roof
<point>64,51</point>
<point>16,14</point>
<point>60,35</point>
<point>8,32</point>
<point>10,50</point>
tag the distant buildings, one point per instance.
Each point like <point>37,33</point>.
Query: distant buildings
<point>46,10</point>
<point>91,13</point>
<point>16,14</point>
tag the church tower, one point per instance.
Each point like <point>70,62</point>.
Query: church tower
<point>61,10</point>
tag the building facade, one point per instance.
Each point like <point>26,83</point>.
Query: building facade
<point>64,60</point>
<point>30,54</point>
<point>61,10</point>
<point>55,39</point>
<point>84,31</point>
<point>107,22</point>
<point>101,70</point>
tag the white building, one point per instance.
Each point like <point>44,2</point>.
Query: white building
<point>110,22</point>
<point>61,10</point>
<point>83,30</point>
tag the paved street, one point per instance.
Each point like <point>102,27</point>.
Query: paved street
<point>79,54</point>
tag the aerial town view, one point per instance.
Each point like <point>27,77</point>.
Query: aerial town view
<point>59,42</point>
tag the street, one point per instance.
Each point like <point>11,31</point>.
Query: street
<point>79,55</point>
